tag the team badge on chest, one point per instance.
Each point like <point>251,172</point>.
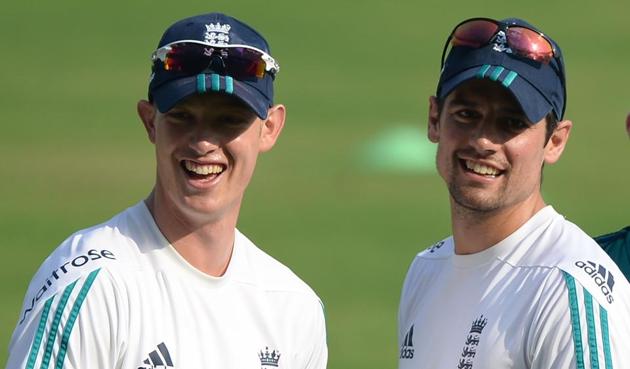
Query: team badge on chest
<point>472,341</point>
<point>269,359</point>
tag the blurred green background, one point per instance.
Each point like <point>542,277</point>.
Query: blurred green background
<point>328,201</point>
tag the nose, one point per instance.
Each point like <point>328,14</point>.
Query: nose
<point>204,139</point>
<point>485,137</point>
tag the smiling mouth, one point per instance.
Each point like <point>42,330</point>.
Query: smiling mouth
<point>202,171</point>
<point>480,169</point>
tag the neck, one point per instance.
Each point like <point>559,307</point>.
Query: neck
<point>206,244</point>
<point>475,231</point>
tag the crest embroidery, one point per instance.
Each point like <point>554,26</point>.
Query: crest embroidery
<point>217,34</point>
<point>500,43</point>
<point>472,341</point>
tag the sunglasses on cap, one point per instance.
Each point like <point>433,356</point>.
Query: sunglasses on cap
<point>520,40</point>
<point>193,57</point>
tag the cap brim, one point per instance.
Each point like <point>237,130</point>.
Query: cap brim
<point>169,94</point>
<point>533,103</point>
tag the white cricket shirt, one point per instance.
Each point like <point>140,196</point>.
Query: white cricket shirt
<point>118,295</point>
<point>547,296</point>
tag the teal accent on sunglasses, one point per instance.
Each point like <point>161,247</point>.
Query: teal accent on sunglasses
<point>496,73</point>
<point>483,70</point>
<point>216,82</point>
<point>229,84</point>
<point>507,81</point>
<point>201,83</point>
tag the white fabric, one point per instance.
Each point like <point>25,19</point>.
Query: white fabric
<point>509,305</point>
<point>148,308</point>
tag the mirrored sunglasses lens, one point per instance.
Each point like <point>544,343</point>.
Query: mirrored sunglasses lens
<point>530,44</point>
<point>245,63</point>
<point>474,33</point>
<point>187,58</point>
<point>240,63</point>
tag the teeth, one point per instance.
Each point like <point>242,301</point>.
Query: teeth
<point>481,169</point>
<point>203,169</point>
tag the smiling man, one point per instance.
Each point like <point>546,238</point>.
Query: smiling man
<point>170,282</point>
<point>516,285</point>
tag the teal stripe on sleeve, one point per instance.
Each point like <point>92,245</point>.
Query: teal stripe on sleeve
<point>575,320</point>
<point>603,320</point>
<point>55,324</point>
<point>63,346</point>
<point>40,333</point>
<point>592,334</point>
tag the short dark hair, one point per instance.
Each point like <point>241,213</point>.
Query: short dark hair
<point>552,123</point>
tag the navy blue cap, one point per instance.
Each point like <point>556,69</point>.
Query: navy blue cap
<point>167,88</point>
<point>539,88</point>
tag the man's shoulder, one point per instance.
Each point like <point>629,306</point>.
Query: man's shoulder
<point>440,250</point>
<point>428,262</point>
<point>103,246</point>
<point>588,266</point>
<point>558,243</point>
<point>269,274</point>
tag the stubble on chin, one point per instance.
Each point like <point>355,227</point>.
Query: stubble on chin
<point>471,200</point>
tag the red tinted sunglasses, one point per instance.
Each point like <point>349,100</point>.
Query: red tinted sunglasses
<point>238,61</point>
<point>520,40</point>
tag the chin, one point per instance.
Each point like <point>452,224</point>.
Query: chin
<point>474,202</point>
<point>200,205</point>
<point>478,206</point>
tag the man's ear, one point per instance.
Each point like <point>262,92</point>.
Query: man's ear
<point>557,141</point>
<point>146,112</point>
<point>433,131</point>
<point>271,127</point>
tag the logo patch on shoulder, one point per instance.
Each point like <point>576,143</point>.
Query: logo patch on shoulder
<point>436,246</point>
<point>602,277</point>
<point>406,349</point>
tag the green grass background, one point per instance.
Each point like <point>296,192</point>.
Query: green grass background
<point>73,153</point>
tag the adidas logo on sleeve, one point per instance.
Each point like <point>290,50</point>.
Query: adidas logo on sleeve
<point>602,277</point>
<point>406,349</point>
<point>159,358</point>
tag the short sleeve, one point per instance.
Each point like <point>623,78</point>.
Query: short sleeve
<point>575,329</point>
<point>76,326</point>
<point>317,357</point>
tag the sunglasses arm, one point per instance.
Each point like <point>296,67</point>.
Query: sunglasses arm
<point>270,64</point>
<point>160,54</point>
